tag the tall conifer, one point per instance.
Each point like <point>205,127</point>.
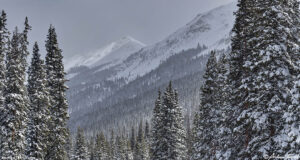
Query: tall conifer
<point>38,130</point>
<point>15,118</point>
<point>262,71</point>
<point>57,89</point>
<point>169,135</point>
<point>80,151</point>
<point>205,146</point>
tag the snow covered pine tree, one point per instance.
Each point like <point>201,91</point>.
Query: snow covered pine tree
<point>168,132</point>
<point>15,112</point>
<point>80,151</point>
<point>38,129</point>
<point>4,48</point>
<point>205,122</point>
<point>141,147</point>
<point>59,106</point>
<point>264,67</point>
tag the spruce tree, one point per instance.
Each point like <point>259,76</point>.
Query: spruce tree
<point>14,114</point>
<point>38,130</point>
<point>120,148</point>
<point>224,128</point>
<point>262,72</point>
<point>24,44</point>
<point>57,89</point>
<point>91,149</point>
<point>69,146</point>
<point>156,130</point>
<point>196,139</point>
<point>112,144</point>
<point>205,146</point>
<point>129,152</point>
<point>171,134</point>
<point>288,28</point>
<point>101,147</point>
<point>141,148</point>
<point>4,48</point>
<point>239,47</point>
<point>80,151</point>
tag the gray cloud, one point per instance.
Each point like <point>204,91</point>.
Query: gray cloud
<point>85,25</point>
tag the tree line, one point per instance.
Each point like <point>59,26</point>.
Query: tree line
<point>167,137</point>
<point>33,112</point>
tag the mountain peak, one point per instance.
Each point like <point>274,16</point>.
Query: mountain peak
<point>110,54</point>
<point>130,39</point>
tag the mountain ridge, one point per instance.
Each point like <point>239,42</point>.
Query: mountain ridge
<point>111,54</point>
<point>114,87</point>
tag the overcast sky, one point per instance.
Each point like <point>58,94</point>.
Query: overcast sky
<point>86,25</point>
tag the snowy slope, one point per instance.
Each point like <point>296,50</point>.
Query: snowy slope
<point>110,55</point>
<point>211,29</point>
<point>113,73</point>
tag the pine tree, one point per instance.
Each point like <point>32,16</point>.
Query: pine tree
<point>138,150</point>
<point>69,146</point>
<point>171,133</point>
<point>91,149</point>
<point>141,148</point>
<point>262,73</point>
<point>112,144</point>
<point>80,151</point>
<point>120,148</point>
<point>39,107</point>
<point>57,89</point>
<point>288,28</point>
<point>224,128</point>
<point>15,110</point>
<point>4,48</point>
<point>101,152</point>
<point>196,139</point>
<point>156,130</point>
<point>14,120</point>
<point>24,44</point>
<point>101,148</point>
<point>205,146</point>
<point>129,153</point>
<point>239,46</point>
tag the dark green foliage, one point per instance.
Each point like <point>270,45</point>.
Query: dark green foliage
<point>205,145</point>
<point>38,127</point>
<point>262,73</point>
<point>4,48</point>
<point>141,149</point>
<point>15,112</point>
<point>59,106</point>
<point>80,151</point>
<point>169,135</point>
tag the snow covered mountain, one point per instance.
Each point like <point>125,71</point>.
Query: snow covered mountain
<point>110,55</point>
<point>115,83</point>
<point>210,29</point>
